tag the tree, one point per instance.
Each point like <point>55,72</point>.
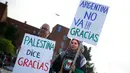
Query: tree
<point>6,46</point>
<point>8,35</point>
<point>86,53</point>
<point>11,34</point>
<point>9,31</point>
<point>90,66</point>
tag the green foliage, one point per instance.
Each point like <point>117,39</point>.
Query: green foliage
<point>86,53</point>
<point>6,46</point>
<point>9,31</point>
<point>90,66</point>
<point>8,36</point>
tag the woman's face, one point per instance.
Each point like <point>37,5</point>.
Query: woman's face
<point>74,45</point>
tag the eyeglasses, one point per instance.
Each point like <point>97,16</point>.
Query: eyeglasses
<point>43,28</point>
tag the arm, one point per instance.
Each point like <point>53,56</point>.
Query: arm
<point>58,62</point>
<point>83,64</point>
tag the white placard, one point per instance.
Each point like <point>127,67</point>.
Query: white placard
<point>35,55</point>
<point>88,22</point>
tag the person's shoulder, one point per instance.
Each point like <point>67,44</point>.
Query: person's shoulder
<point>83,60</point>
<point>81,55</point>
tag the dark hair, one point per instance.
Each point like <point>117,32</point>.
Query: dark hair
<point>77,41</point>
<point>69,47</point>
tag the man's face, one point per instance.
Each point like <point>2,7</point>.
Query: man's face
<point>44,31</point>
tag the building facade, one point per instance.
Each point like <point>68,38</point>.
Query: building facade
<point>22,27</point>
<point>58,34</point>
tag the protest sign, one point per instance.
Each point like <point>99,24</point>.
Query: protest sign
<point>35,55</point>
<point>88,22</point>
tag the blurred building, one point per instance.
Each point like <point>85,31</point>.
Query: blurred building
<point>3,11</point>
<point>58,34</point>
<point>22,27</point>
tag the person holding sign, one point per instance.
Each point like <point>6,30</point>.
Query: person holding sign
<point>44,31</point>
<point>63,63</point>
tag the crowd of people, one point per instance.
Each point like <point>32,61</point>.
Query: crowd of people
<point>64,63</point>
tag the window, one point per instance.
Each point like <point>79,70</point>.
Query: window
<point>64,37</point>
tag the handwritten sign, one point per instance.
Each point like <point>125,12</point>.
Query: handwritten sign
<point>35,55</point>
<point>88,22</point>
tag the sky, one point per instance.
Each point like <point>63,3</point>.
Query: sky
<point>111,55</point>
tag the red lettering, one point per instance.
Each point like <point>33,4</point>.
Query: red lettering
<point>25,62</point>
<point>34,64</point>
<point>20,62</point>
<point>30,64</point>
<point>37,65</point>
<point>46,65</point>
<point>42,65</point>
